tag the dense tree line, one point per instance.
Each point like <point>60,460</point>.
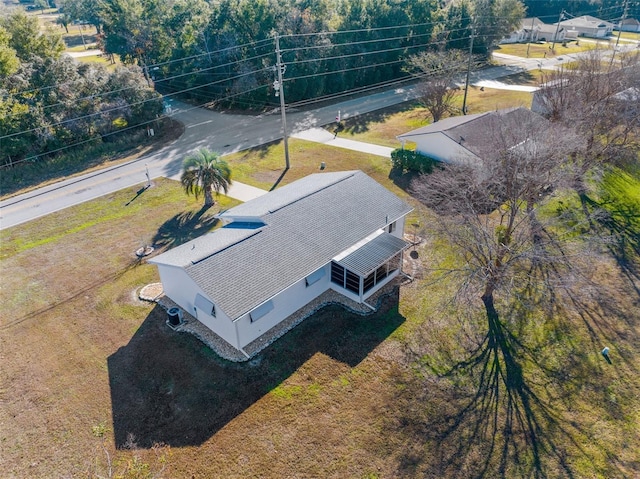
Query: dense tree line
<point>225,50</point>
<point>49,101</point>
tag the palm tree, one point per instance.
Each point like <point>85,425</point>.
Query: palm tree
<point>204,172</point>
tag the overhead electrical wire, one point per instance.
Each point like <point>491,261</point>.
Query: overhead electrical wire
<point>261,44</point>
<point>136,126</point>
<point>129,105</point>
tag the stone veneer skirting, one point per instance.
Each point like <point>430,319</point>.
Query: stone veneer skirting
<point>190,324</point>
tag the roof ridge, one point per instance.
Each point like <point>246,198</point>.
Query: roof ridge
<point>220,250</point>
<point>307,195</point>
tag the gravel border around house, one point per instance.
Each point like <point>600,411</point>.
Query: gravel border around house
<point>154,293</point>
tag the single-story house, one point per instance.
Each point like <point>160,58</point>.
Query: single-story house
<point>587,26</point>
<point>550,93</point>
<point>467,137</point>
<point>628,25</point>
<point>535,30</point>
<point>341,231</point>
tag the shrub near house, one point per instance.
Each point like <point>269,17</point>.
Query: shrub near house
<point>408,160</point>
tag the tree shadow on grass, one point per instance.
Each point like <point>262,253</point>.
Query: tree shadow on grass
<point>362,123</point>
<point>403,179</point>
<point>622,222</point>
<point>168,387</point>
<point>501,411</point>
<point>518,78</point>
<point>184,227</point>
<point>77,39</point>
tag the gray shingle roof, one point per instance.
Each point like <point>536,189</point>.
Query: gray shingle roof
<point>304,232</point>
<point>203,247</point>
<point>477,133</point>
<point>442,125</point>
<point>284,195</point>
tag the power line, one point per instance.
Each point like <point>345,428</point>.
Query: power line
<point>138,125</point>
<point>227,79</point>
<point>129,105</point>
<point>154,65</point>
<point>196,72</point>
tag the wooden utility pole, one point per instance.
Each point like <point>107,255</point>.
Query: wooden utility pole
<point>555,35</point>
<point>466,83</point>
<point>530,36</point>
<point>280,92</point>
<point>615,48</point>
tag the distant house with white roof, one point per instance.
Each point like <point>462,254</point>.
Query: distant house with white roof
<point>535,30</point>
<point>275,254</point>
<point>587,26</point>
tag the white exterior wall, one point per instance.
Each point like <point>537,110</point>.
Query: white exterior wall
<point>178,286</point>
<point>285,304</point>
<point>630,27</point>
<point>400,224</point>
<point>221,325</point>
<point>515,37</point>
<point>440,147</point>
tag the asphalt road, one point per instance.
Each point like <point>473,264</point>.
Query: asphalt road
<point>221,132</point>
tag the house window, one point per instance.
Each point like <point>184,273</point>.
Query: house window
<point>205,305</point>
<point>392,227</point>
<point>314,277</point>
<point>261,310</point>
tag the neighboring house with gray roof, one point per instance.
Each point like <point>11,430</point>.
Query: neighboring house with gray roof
<point>276,253</point>
<point>467,137</point>
<point>628,25</point>
<point>587,26</point>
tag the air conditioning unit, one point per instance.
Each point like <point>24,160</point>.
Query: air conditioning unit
<point>174,316</point>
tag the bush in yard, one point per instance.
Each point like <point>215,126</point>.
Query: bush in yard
<point>408,160</point>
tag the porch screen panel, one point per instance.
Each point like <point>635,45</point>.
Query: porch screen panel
<point>337,274</point>
<point>353,282</point>
<point>369,282</point>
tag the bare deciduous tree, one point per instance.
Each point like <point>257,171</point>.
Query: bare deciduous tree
<point>488,209</point>
<point>598,99</point>
<point>438,71</point>
<point>513,259</point>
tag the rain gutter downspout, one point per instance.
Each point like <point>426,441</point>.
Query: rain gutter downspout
<point>369,306</point>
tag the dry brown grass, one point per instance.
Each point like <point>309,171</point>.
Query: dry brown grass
<point>339,396</point>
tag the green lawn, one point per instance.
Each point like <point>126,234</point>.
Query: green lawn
<point>383,126</point>
<point>628,35</point>
<point>543,50</point>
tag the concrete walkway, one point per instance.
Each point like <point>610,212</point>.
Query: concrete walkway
<point>320,135</point>
<point>244,192</point>
<point>238,191</point>
<point>85,53</point>
<point>498,85</point>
